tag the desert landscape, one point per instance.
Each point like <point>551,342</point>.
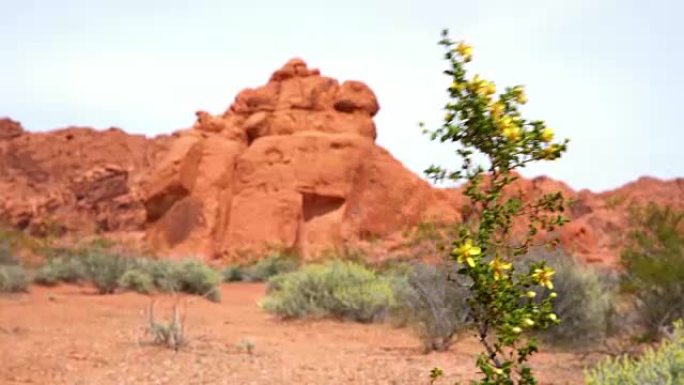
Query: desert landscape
<point>291,163</point>
<point>281,242</point>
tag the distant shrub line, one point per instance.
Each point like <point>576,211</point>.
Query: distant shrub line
<point>110,272</point>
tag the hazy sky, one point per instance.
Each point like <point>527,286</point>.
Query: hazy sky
<point>605,73</point>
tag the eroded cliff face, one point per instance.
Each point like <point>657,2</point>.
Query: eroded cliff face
<point>291,164</point>
<point>74,179</point>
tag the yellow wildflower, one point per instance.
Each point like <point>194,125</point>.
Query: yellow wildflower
<point>475,84</point>
<point>505,122</point>
<point>497,108</point>
<point>466,252</point>
<point>553,317</point>
<point>464,50</point>
<point>519,94</point>
<point>531,294</point>
<point>498,371</point>
<point>528,322</point>
<point>516,329</point>
<point>547,134</point>
<point>553,295</point>
<point>551,152</point>
<point>543,276</point>
<point>499,267</point>
<point>457,86</point>
<point>511,133</point>
<point>488,88</point>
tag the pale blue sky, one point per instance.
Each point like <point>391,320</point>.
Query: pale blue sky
<point>605,73</point>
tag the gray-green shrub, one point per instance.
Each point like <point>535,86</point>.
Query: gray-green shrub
<point>6,255</point>
<point>338,288</point>
<point>270,266</point>
<point>583,304</point>
<point>136,280</point>
<point>434,303</point>
<point>105,270</point>
<point>61,269</point>
<point>653,262</point>
<point>194,277</point>
<point>662,366</point>
<point>183,276</point>
<point>13,279</point>
<point>109,272</point>
<point>232,273</point>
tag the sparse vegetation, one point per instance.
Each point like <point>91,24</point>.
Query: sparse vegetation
<point>232,273</point>
<point>273,264</point>
<point>583,302</point>
<point>661,366</point>
<point>13,277</point>
<point>136,280</point>
<point>246,345</point>
<point>105,270</point>
<point>110,271</point>
<point>653,262</point>
<point>431,300</point>
<point>194,277</point>
<point>61,269</point>
<point>171,333</point>
<point>338,288</point>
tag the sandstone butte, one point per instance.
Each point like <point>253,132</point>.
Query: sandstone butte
<point>292,163</point>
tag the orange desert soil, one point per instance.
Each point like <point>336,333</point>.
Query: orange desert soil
<point>70,335</point>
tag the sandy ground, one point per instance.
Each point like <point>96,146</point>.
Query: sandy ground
<point>69,335</point>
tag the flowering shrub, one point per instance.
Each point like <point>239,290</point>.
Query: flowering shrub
<point>503,305</point>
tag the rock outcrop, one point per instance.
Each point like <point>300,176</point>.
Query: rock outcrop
<point>291,163</point>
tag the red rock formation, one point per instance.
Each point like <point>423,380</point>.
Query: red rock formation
<point>291,163</point>
<point>74,178</point>
<point>9,129</point>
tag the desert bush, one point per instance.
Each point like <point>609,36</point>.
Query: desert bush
<point>661,366</point>
<point>136,280</point>
<point>105,270</point>
<point>194,277</point>
<point>270,266</point>
<point>6,255</point>
<point>232,273</point>
<point>583,302</point>
<point>163,273</point>
<point>431,300</point>
<point>109,271</point>
<point>13,279</point>
<point>338,288</point>
<point>181,276</point>
<point>653,262</point>
<point>61,269</point>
